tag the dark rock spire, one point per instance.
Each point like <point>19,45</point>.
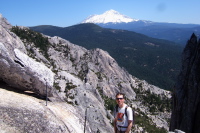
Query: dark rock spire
<point>186,95</point>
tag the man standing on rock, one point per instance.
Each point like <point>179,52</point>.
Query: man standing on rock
<point>123,114</point>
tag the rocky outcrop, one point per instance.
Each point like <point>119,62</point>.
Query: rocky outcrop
<point>186,96</point>
<point>25,112</point>
<point>17,68</point>
<point>4,22</point>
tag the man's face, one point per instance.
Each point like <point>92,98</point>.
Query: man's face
<point>120,100</point>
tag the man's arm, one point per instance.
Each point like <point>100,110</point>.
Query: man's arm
<point>130,124</point>
<point>130,119</point>
<point>115,127</point>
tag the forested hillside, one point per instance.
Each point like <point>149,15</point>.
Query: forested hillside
<point>154,60</point>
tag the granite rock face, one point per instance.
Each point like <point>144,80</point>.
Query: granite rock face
<point>186,96</point>
<point>4,22</point>
<point>17,68</point>
<point>24,113</point>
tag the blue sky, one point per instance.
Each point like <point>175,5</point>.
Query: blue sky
<point>65,13</point>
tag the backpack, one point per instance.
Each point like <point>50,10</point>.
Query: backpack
<point>116,108</point>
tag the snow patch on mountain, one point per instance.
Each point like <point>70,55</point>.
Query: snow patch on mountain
<point>110,16</point>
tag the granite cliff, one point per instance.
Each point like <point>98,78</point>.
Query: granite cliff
<point>186,95</point>
<point>74,79</point>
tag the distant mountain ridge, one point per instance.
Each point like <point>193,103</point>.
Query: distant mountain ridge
<point>169,31</point>
<point>156,61</point>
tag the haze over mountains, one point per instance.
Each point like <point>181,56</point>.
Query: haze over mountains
<point>169,31</point>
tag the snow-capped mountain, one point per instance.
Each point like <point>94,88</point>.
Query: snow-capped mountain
<point>114,20</point>
<point>110,16</point>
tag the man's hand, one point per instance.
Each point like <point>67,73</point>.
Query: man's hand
<point>130,124</point>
